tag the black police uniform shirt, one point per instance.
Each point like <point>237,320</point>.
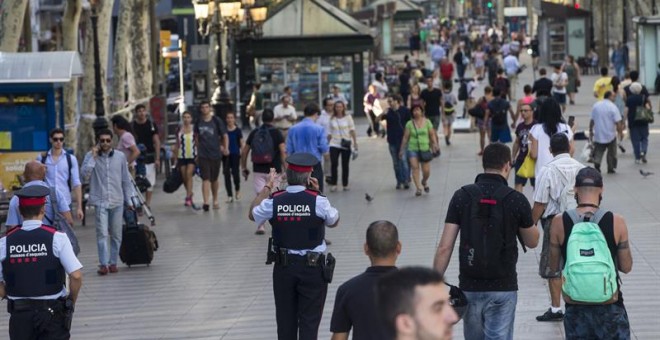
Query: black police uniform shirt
<point>36,254</point>
<point>520,216</point>
<point>355,306</point>
<point>322,210</point>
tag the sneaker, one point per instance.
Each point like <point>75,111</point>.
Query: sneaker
<point>398,186</point>
<point>406,186</point>
<point>611,171</point>
<point>205,207</point>
<point>237,196</point>
<point>550,316</point>
<point>637,161</point>
<point>113,268</point>
<point>188,202</point>
<point>103,270</point>
<point>644,158</point>
<point>447,141</point>
<point>333,188</point>
<point>229,199</point>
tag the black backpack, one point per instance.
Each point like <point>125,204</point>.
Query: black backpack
<point>478,110</point>
<point>263,147</point>
<point>463,92</point>
<point>488,244</point>
<point>499,114</point>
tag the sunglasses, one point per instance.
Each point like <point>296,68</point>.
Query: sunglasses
<point>105,140</point>
<point>58,139</point>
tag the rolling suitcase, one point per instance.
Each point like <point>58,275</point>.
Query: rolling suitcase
<point>138,241</point>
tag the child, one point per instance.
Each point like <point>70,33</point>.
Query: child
<point>448,108</point>
<point>231,162</point>
<point>521,145</point>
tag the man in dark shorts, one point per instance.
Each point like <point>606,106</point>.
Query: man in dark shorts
<point>212,143</point>
<point>497,110</point>
<point>432,98</point>
<point>594,321</point>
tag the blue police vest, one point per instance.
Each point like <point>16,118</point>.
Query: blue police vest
<point>295,224</point>
<point>30,268</point>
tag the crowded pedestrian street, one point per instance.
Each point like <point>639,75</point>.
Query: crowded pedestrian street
<point>208,279</point>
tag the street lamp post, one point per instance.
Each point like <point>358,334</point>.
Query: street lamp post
<point>227,17</point>
<point>100,123</point>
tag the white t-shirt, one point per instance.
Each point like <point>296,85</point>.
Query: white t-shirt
<point>324,121</point>
<point>561,78</point>
<point>605,116</point>
<point>543,141</point>
<point>284,112</point>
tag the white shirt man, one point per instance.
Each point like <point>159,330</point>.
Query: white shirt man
<point>285,114</point>
<point>606,121</point>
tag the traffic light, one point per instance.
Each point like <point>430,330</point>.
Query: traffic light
<point>489,4</point>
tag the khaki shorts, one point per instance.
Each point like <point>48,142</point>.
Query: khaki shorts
<point>544,264</point>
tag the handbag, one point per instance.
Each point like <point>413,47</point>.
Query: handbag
<point>344,143</point>
<point>644,115</point>
<point>526,170</point>
<point>424,156</point>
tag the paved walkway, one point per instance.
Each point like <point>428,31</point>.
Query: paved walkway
<point>209,281</point>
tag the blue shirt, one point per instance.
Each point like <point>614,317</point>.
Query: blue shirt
<point>14,216</point>
<point>235,137</point>
<point>62,249</point>
<point>57,174</point>
<point>309,137</point>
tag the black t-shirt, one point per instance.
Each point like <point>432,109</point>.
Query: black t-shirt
<point>432,100</point>
<point>522,133</point>
<point>278,139</point>
<point>404,83</point>
<point>355,306</point>
<point>498,105</point>
<point>520,216</point>
<point>542,87</point>
<point>144,133</point>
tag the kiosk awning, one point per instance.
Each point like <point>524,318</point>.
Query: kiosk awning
<point>39,67</point>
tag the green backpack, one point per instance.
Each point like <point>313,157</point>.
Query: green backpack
<point>589,275</point>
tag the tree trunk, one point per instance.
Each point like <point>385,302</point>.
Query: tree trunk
<point>87,117</point>
<point>12,14</point>
<point>122,43</point>
<point>70,22</point>
<point>154,26</point>
<point>140,77</point>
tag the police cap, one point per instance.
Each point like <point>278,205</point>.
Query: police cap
<point>33,195</point>
<point>302,162</point>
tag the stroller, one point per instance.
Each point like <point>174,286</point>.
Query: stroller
<point>141,184</point>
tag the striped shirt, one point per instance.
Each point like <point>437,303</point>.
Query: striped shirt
<point>340,128</point>
<point>560,172</point>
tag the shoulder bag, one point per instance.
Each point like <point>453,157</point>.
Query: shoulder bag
<point>424,156</point>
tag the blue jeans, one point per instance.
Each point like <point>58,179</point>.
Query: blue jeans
<point>639,136</point>
<point>490,315</point>
<point>401,167</point>
<point>109,219</point>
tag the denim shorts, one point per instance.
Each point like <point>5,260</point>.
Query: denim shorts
<point>490,315</point>
<point>560,98</point>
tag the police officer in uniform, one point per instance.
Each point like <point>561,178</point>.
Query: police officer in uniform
<point>302,270</point>
<point>33,261</point>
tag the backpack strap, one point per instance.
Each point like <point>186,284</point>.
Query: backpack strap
<point>595,218</point>
<point>69,163</point>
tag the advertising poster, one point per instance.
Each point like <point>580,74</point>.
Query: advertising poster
<point>12,165</point>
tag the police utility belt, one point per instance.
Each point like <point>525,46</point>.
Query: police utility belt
<point>63,305</point>
<point>281,256</point>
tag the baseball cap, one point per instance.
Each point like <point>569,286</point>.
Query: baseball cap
<point>589,177</point>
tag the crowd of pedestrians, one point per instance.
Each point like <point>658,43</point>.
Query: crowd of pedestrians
<point>306,153</point>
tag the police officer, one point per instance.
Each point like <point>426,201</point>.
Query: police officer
<point>302,271</point>
<point>33,261</point>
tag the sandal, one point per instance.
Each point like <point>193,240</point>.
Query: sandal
<point>418,192</point>
<point>427,189</point>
